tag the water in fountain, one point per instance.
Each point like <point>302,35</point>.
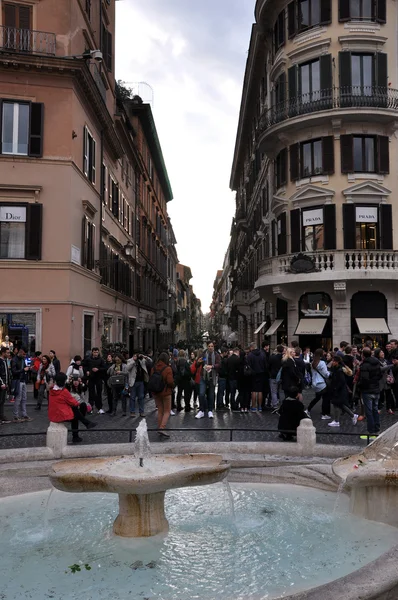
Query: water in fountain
<point>142,447</point>
<point>339,494</point>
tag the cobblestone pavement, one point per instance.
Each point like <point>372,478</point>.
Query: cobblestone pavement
<point>246,427</point>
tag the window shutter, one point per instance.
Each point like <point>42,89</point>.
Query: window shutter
<point>345,70</point>
<point>294,162</point>
<point>36,129</point>
<point>381,11</point>
<point>349,226</point>
<point>283,164</point>
<point>326,79</point>
<point>281,28</point>
<point>381,71</point>
<point>84,252</point>
<point>329,220</point>
<point>292,80</point>
<point>326,12</point>
<point>274,229</point>
<point>85,150</point>
<point>34,231</point>
<point>383,154</point>
<point>295,229</point>
<point>282,241</point>
<point>10,15</point>
<point>108,58</point>
<point>93,159</point>
<point>347,158</point>
<point>386,234</point>
<point>328,155</point>
<point>291,19</point>
<point>344,10</point>
<point>1,126</point>
<point>25,20</point>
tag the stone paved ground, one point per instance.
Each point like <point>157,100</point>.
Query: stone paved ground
<point>245,427</point>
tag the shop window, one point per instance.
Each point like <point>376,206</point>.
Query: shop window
<point>20,231</point>
<point>89,145</point>
<point>313,230</point>
<point>366,227</point>
<point>20,329</point>
<point>22,128</point>
<point>315,304</point>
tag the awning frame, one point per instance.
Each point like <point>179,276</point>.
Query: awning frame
<point>272,329</point>
<point>260,327</point>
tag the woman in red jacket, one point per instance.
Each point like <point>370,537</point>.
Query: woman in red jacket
<point>163,398</point>
<point>63,407</point>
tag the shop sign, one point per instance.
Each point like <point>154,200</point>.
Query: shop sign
<point>313,217</point>
<point>13,214</point>
<point>366,214</point>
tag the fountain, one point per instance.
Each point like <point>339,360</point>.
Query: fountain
<point>141,482</point>
<point>372,478</point>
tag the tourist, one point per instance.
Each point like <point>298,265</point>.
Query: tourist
<point>385,383</point>
<point>5,380</point>
<point>55,361</point>
<point>20,374</point>
<point>183,381</point>
<point>63,408</point>
<point>107,390</point>
<point>369,383</point>
<point>162,397</point>
<point>75,368</point>
<point>257,363</point>
<point>78,390</point>
<point>45,377</point>
<point>275,365</point>
<point>291,376</point>
<point>33,372</point>
<point>320,381</point>
<point>118,383</point>
<point>339,392</point>
<point>208,366</point>
<point>222,380</point>
<point>291,413</point>
<point>233,374</point>
<point>138,373</point>
<point>95,368</point>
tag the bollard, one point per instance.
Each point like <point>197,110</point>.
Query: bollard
<point>306,437</point>
<point>57,438</point>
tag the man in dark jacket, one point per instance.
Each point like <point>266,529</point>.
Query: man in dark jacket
<point>95,369</point>
<point>222,380</point>
<point>275,364</point>
<point>257,362</point>
<point>369,384</point>
<point>20,374</point>
<point>5,380</point>
<point>233,375</point>
<point>291,413</point>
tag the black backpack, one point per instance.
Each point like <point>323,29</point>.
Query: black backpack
<point>156,383</point>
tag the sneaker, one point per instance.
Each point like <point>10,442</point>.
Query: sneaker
<point>361,418</point>
<point>132,414</point>
<point>12,399</point>
<point>200,415</point>
<point>307,412</point>
<point>172,413</point>
<point>142,415</point>
<point>389,412</point>
<point>17,420</point>
<point>101,412</point>
<point>334,424</point>
<point>260,409</point>
<point>163,433</point>
<point>37,407</point>
<point>210,414</point>
<point>253,409</point>
<point>354,419</point>
<point>325,417</point>
<point>26,418</point>
<point>5,422</point>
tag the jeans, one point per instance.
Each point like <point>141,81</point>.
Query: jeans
<point>3,398</point>
<point>371,402</point>
<point>20,401</point>
<point>230,398</point>
<point>42,394</point>
<point>206,395</point>
<point>117,394</point>
<point>137,392</point>
<point>95,393</point>
<point>222,385</point>
<point>274,386</point>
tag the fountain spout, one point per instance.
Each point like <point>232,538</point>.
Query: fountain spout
<point>141,462</point>
<point>142,447</point>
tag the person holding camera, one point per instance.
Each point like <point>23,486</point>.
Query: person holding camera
<point>137,374</point>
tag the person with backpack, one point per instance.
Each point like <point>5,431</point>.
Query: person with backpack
<point>183,380</point>
<point>138,374</point>
<point>161,384</point>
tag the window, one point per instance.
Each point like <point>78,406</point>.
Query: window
<point>309,13</point>
<point>88,321</point>
<point>313,230</point>
<point>315,304</point>
<point>365,154</point>
<point>107,47</point>
<point>20,231</point>
<point>22,128</point>
<point>89,155</point>
<point>88,244</point>
<point>279,31</point>
<point>362,10</point>
<point>17,21</point>
<point>303,14</point>
<point>366,218</point>
<point>309,159</point>
<point>309,81</point>
<point>362,77</point>
<point>281,168</point>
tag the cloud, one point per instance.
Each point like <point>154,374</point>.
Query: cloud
<point>193,55</point>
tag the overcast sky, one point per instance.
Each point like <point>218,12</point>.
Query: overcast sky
<point>193,55</point>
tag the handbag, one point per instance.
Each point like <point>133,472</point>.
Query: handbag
<point>117,380</point>
<point>248,371</point>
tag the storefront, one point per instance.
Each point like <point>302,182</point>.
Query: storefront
<point>369,318</point>
<point>315,327</point>
<point>21,327</point>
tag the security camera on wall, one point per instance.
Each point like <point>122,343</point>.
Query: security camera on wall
<point>96,55</point>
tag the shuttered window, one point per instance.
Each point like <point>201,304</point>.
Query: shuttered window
<point>281,168</point>
<point>21,231</point>
<point>309,159</point>
<point>386,233</point>
<point>304,14</point>
<point>365,154</point>
<point>279,31</point>
<point>281,231</point>
<point>88,244</point>
<point>89,155</point>
<point>295,230</point>
<point>18,16</point>
<point>107,48</point>
<point>360,74</point>
<point>362,10</point>
<point>22,128</point>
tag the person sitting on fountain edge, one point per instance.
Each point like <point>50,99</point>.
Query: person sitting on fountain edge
<point>63,407</point>
<point>291,412</point>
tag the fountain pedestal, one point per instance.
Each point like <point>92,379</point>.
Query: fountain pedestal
<point>141,515</point>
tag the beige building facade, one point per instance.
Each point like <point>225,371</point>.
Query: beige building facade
<point>80,181</point>
<point>315,171</point>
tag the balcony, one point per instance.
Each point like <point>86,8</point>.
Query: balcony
<point>95,72</point>
<point>357,97</point>
<point>330,266</point>
<point>13,39</point>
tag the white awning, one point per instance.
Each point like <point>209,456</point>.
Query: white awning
<point>310,327</point>
<point>274,327</point>
<point>372,326</point>
<point>260,328</point>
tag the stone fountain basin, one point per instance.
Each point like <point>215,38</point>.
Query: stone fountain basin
<point>123,475</point>
<point>345,469</point>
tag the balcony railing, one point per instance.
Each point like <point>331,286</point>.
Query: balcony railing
<point>98,79</point>
<point>343,97</point>
<point>13,39</point>
<point>335,260</point>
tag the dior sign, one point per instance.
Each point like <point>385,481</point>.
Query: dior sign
<point>13,214</point>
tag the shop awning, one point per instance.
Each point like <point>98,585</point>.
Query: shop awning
<point>310,327</point>
<point>372,326</point>
<point>274,327</point>
<point>260,328</point>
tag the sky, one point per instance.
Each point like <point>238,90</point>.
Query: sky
<point>193,55</point>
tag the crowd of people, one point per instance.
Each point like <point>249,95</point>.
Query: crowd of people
<point>354,382</point>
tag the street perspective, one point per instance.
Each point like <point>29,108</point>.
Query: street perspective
<point>198,300</point>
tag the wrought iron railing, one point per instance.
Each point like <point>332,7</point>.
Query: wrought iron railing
<point>13,39</point>
<point>336,97</point>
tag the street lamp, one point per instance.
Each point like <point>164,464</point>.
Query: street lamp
<point>129,249</point>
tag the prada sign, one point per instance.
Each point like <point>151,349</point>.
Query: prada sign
<point>313,217</point>
<point>13,214</point>
<point>366,214</point>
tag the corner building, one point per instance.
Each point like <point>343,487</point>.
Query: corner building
<point>315,174</point>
